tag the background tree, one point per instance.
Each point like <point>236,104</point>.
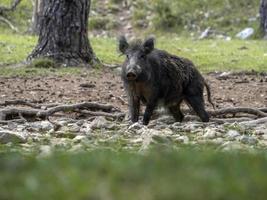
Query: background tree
<point>63,34</point>
<point>263,17</point>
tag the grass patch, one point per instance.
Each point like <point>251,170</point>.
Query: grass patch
<point>21,17</point>
<point>208,55</point>
<point>160,174</point>
<point>196,15</point>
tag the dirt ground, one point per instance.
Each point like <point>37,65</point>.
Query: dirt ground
<point>228,90</point>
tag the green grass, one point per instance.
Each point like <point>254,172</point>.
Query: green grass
<point>21,17</point>
<point>208,55</point>
<point>196,15</point>
<point>160,174</point>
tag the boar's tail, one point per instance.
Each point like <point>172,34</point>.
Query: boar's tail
<point>209,94</point>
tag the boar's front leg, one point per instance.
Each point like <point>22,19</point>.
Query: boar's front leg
<point>134,108</point>
<point>150,107</point>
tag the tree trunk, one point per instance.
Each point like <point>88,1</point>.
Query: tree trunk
<point>63,34</point>
<point>36,15</point>
<point>263,17</point>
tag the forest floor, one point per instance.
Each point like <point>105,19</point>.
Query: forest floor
<point>242,89</point>
<point>72,156</point>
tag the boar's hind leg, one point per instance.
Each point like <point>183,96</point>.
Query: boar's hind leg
<point>176,112</point>
<point>134,108</point>
<point>197,103</point>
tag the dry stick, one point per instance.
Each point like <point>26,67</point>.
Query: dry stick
<point>6,21</point>
<point>225,111</point>
<point>27,103</point>
<point>12,7</point>
<point>104,114</point>
<point>20,102</point>
<point>43,114</point>
<point>3,122</point>
<point>236,110</point>
<point>255,122</point>
<point>69,108</point>
<point>218,120</point>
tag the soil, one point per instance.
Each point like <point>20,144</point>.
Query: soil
<point>228,90</point>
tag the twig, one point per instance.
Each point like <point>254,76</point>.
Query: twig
<point>12,7</point>
<point>237,110</point>
<point>255,122</point>
<point>9,24</point>
<point>4,122</point>
<point>8,113</point>
<point>30,104</point>
<point>104,114</point>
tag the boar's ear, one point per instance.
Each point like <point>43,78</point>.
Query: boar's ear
<point>149,44</point>
<point>123,44</point>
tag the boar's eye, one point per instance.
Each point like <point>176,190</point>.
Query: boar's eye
<point>127,56</point>
<point>142,56</point>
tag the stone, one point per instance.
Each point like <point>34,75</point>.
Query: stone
<point>245,34</point>
<point>45,151</point>
<point>100,123</point>
<point>79,138</point>
<point>182,139</point>
<point>135,127</point>
<point>232,146</point>
<point>209,133</point>
<point>232,135</point>
<point>11,137</point>
<point>248,140</point>
<point>205,33</point>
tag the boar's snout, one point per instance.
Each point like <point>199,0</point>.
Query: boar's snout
<point>131,75</point>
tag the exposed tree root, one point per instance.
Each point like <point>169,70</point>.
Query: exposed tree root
<point>104,114</point>
<point>234,111</point>
<point>250,116</point>
<point>255,122</point>
<point>38,113</point>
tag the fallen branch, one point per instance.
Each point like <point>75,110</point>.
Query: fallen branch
<point>217,120</point>
<point>234,111</point>
<point>103,114</point>
<point>255,122</point>
<point>19,121</point>
<point>6,21</point>
<point>11,113</point>
<point>11,8</point>
<point>30,104</point>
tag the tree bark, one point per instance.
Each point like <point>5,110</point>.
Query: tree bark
<point>36,15</point>
<point>63,34</point>
<point>263,17</point>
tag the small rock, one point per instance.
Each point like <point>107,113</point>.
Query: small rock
<point>248,140</point>
<point>205,33</point>
<point>135,127</point>
<point>218,141</point>
<point>79,138</point>
<point>209,133</point>
<point>161,139</point>
<point>74,128</point>
<point>11,137</point>
<point>245,34</point>
<point>45,151</point>
<point>230,146</point>
<point>100,123</point>
<point>182,139</point>
<point>232,135</point>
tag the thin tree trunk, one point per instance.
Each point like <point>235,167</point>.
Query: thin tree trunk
<point>263,17</point>
<point>63,34</point>
<point>36,14</point>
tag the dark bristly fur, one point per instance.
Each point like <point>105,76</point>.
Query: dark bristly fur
<point>151,75</point>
